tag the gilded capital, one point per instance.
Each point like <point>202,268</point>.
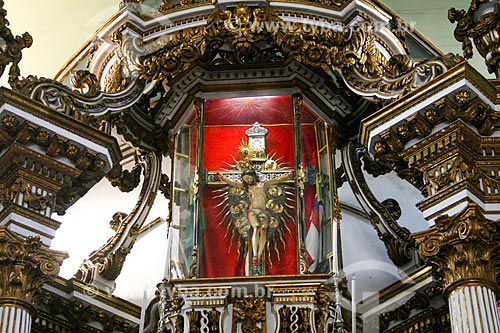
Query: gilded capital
<point>462,249</point>
<point>25,264</point>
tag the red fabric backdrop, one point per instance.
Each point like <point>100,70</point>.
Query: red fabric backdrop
<point>226,121</point>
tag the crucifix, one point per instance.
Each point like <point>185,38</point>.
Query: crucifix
<point>256,200</point>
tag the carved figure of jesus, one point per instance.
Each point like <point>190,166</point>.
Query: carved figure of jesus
<point>257,214</point>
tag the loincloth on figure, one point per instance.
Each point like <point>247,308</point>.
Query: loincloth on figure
<point>262,216</point>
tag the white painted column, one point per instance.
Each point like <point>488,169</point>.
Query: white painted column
<point>473,309</point>
<point>14,320</point>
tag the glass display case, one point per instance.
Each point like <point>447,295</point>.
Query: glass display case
<point>251,189</point>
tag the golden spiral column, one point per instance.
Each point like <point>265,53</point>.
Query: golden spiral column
<point>462,249</point>
<point>25,264</point>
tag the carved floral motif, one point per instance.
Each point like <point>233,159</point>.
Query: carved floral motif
<point>244,35</point>
<point>21,193</point>
<point>250,311</point>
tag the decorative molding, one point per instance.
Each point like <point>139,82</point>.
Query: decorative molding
<point>453,159</point>
<point>246,304</point>
<point>419,301</point>
<point>82,314</point>
<point>430,320</point>
<point>250,35</point>
<point>461,77</point>
<point>442,145</point>
<point>317,88</point>
<point>56,156</point>
<point>86,104</point>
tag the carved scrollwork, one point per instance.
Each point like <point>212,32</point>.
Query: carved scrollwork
<point>396,76</point>
<point>91,103</point>
<point>105,264</point>
<point>462,248</point>
<point>244,34</point>
<point>85,83</point>
<point>383,215</point>
<point>85,99</point>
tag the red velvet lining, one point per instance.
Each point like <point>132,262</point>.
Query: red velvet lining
<point>226,121</point>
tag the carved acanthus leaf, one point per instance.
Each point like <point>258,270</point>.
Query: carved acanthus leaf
<point>251,312</point>
<point>25,264</point>
<point>462,248</point>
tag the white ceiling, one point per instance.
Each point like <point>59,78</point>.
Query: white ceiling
<point>60,27</point>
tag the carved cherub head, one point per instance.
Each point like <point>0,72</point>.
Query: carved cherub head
<point>242,15</point>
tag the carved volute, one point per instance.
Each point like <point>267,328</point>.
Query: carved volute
<point>462,248</point>
<point>25,264</point>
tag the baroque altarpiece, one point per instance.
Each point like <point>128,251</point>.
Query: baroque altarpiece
<point>324,168</point>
